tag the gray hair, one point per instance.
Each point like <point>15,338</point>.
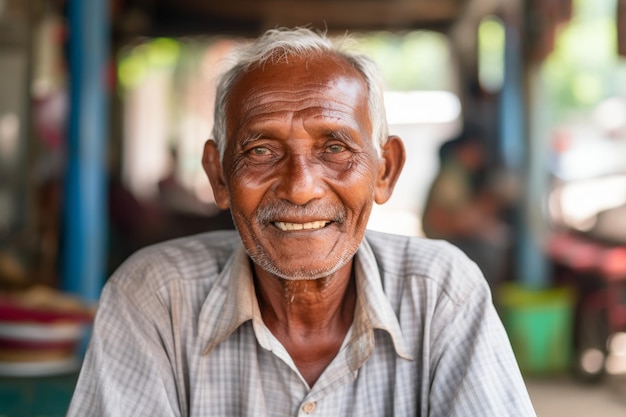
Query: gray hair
<point>278,45</point>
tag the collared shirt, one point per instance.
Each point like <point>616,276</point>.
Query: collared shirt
<point>179,333</point>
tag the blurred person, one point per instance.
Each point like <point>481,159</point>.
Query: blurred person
<point>186,213</point>
<point>175,197</point>
<point>465,206</point>
<point>300,310</point>
<point>133,223</point>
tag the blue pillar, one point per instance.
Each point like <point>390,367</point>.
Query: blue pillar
<point>85,208</point>
<point>512,103</point>
<point>523,157</point>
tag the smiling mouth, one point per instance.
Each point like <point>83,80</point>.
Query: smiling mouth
<point>285,226</point>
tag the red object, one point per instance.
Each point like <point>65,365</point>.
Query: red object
<point>31,345</point>
<point>10,311</point>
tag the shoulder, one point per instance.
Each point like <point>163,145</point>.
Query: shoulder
<point>189,258</point>
<point>428,264</point>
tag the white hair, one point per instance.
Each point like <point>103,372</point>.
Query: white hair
<point>277,45</point>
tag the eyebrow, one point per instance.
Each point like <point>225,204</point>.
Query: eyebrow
<point>340,133</point>
<point>251,136</point>
<point>337,131</point>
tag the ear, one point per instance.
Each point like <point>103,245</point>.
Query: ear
<point>213,169</point>
<point>391,163</point>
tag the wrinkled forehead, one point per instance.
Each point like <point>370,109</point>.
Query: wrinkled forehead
<point>320,85</point>
<point>328,73</point>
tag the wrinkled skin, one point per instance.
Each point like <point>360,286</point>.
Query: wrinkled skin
<point>300,151</point>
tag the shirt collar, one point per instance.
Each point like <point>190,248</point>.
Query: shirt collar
<point>232,301</point>
<point>373,309</point>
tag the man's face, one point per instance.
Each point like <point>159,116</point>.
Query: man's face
<point>300,166</point>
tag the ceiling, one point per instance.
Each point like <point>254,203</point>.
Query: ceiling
<point>250,17</point>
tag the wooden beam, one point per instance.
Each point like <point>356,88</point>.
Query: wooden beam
<point>331,14</point>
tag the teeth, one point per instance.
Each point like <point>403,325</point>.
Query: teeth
<point>284,226</point>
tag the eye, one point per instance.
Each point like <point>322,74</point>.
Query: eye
<point>337,153</point>
<point>336,148</point>
<point>261,154</point>
<point>259,150</point>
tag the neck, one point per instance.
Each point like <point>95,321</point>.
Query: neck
<point>306,305</point>
<point>309,317</point>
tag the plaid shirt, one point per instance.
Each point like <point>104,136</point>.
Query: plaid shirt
<point>179,333</point>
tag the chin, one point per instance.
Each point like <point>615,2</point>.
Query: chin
<point>299,273</point>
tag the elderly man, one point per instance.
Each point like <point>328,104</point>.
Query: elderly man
<point>301,311</point>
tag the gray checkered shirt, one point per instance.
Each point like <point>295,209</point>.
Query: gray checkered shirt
<point>179,333</point>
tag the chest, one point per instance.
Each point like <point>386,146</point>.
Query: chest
<point>240,378</point>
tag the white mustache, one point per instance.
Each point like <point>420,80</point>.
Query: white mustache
<point>282,211</point>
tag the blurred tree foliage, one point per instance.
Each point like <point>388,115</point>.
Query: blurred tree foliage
<point>417,60</point>
<point>584,67</point>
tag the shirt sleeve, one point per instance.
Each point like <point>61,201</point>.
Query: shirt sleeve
<point>474,371</point>
<point>126,370</point>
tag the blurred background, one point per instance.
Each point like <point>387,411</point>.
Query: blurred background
<point>513,113</point>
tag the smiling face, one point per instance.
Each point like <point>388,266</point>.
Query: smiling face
<point>300,170</point>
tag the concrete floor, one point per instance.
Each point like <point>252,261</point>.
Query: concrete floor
<point>565,397</point>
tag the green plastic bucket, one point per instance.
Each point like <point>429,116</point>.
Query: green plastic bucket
<point>539,325</point>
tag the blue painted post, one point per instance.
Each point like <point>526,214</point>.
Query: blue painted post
<point>85,210</point>
<point>524,157</point>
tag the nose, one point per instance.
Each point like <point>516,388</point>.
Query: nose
<point>300,181</point>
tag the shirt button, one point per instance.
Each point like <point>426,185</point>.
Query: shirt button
<point>308,408</point>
